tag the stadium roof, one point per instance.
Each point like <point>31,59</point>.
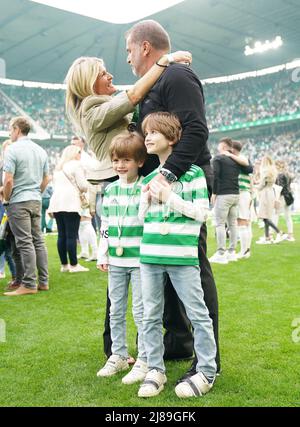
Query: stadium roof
<point>39,42</point>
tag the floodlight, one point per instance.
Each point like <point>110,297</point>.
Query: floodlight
<point>260,47</point>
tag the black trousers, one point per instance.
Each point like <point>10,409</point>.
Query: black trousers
<point>67,227</point>
<point>178,338</point>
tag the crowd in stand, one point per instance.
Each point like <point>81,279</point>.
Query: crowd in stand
<point>251,99</point>
<point>226,104</point>
<point>45,106</point>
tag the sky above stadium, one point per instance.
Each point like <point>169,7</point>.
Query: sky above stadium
<point>114,11</point>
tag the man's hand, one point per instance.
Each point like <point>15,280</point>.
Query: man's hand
<point>8,185</point>
<point>213,199</point>
<point>103,267</point>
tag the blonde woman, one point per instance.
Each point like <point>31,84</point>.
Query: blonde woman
<point>267,197</point>
<point>97,114</point>
<point>284,179</point>
<point>65,205</point>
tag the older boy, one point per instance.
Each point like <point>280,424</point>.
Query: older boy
<point>172,220</point>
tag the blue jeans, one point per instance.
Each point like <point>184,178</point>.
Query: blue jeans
<point>186,281</point>
<point>118,282</point>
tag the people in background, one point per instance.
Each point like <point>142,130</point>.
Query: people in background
<point>268,199</point>
<point>26,176</point>
<point>284,179</point>
<point>69,183</point>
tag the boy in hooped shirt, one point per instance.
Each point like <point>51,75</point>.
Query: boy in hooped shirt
<point>172,219</point>
<point>119,251</point>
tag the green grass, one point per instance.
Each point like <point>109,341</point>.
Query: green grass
<point>53,345</point>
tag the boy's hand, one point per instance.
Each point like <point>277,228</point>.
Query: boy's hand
<point>160,191</point>
<point>103,267</point>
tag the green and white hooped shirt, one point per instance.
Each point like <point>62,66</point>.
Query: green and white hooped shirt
<point>171,230</point>
<point>244,182</point>
<point>121,229</point>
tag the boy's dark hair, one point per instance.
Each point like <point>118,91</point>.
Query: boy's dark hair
<point>237,145</point>
<point>128,145</point>
<point>165,123</point>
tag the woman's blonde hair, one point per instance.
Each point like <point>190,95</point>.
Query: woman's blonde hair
<point>80,81</point>
<point>69,153</point>
<point>268,168</point>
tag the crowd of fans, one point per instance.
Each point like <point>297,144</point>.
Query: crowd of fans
<point>251,99</point>
<point>226,104</point>
<point>45,106</point>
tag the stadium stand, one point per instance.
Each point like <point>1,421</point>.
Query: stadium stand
<point>229,105</point>
<point>251,99</point>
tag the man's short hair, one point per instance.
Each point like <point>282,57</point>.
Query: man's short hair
<point>128,145</point>
<point>151,31</point>
<point>228,142</point>
<point>237,145</point>
<point>165,123</point>
<point>22,123</point>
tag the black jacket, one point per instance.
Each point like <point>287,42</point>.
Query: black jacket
<point>179,91</point>
<point>226,174</point>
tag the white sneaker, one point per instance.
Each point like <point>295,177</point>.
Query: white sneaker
<point>137,373</point>
<point>77,268</point>
<point>113,365</point>
<point>290,239</point>
<point>280,237</point>
<point>231,256</point>
<point>92,258</point>
<point>195,386</point>
<point>64,268</point>
<point>264,241</point>
<point>219,258</point>
<point>83,255</point>
<point>244,255</point>
<point>153,384</point>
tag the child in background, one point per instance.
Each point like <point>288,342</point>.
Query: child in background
<point>5,251</point>
<point>173,215</point>
<point>119,252</point>
<point>87,236</point>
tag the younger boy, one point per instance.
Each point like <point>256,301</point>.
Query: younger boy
<point>172,220</point>
<point>119,251</point>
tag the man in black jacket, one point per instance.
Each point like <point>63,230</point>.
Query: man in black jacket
<point>226,194</point>
<point>178,91</point>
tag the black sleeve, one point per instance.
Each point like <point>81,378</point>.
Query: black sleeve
<point>183,96</point>
<point>216,169</point>
<point>247,169</point>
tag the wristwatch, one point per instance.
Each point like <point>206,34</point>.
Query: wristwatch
<point>170,177</point>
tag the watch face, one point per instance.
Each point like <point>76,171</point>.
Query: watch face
<point>177,187</point>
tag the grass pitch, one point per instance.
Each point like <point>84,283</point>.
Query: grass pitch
<point>53,346</point>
